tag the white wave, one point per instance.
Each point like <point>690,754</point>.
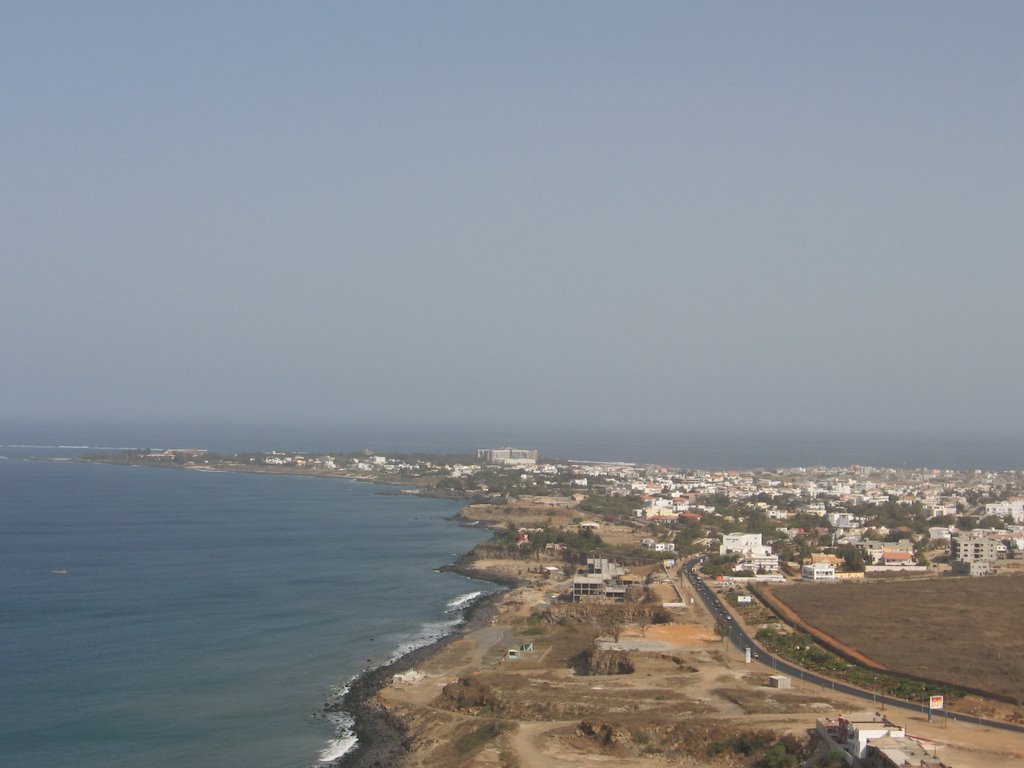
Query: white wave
<point>462,601</point>
<point>344,736</point>
<point>344,740</point>
<point>429,633</point>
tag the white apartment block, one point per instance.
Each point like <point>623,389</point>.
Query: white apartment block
<point>1012,509</point>
<point>967,548</point>
<point>843,519</point>
<point>507,456</point>
<point>740,543</point>
<point>754,555</point>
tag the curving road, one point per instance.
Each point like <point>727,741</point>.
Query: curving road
<point>742,640</point>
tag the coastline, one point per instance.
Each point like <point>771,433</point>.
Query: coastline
<point>412,709</point>
<point>416,486</point>
<point>382,739</point>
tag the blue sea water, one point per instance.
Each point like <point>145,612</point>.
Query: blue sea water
<point>166,617</point>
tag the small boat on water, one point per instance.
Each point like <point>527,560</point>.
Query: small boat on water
<point>59,571</point>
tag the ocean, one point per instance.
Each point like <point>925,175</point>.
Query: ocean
<point>166,617</point>
<point>708,449</point>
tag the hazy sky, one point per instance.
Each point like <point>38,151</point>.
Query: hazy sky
<point>782,215</point>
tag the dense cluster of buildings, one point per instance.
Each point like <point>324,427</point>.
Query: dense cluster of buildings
<point>977,516</point>
<point>833,508</point>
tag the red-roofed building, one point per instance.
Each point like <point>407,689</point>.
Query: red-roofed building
<point>894,557</point>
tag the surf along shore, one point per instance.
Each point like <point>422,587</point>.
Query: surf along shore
<point>382,738</point>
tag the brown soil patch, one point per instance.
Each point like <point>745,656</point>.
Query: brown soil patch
<point>520,513</point>
<point>958,630</point>
<point>664,593</point>
<point>681,635</point>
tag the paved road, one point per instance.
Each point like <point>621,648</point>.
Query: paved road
<point>742,640</point>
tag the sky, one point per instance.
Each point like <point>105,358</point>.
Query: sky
<point>679,215</point>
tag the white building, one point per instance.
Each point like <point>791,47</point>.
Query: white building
<point>851,733</point>
<point>754,555</point>
<point>507,456</point>
<point>843,519</point>
<point>1012,509</point>
<point>733,543</point>
<point>819,572</point>
<point>659,546</point>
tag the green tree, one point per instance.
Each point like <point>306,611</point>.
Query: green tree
<point>779,757</point>
<point>853,558</point>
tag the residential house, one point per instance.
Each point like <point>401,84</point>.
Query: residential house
<point>899,752</point>
<point>852,732</point>
<point>818,572</point>
<point>875,550</point>
<point>658,546</point>
<point>754,555</point>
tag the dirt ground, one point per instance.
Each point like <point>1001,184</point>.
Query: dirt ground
<point>470,706</point>
<point>960,630</point>
<point>542,512</point>
<point>524,513</point>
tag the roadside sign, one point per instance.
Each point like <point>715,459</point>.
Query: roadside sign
<point>936,702</point>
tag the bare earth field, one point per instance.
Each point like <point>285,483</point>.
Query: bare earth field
<point>470,706</point>
<point>554,512</point>
<point>965,631</point>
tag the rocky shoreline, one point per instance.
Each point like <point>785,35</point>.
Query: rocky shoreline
<point>466,566</point>
<point>382,739</point>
